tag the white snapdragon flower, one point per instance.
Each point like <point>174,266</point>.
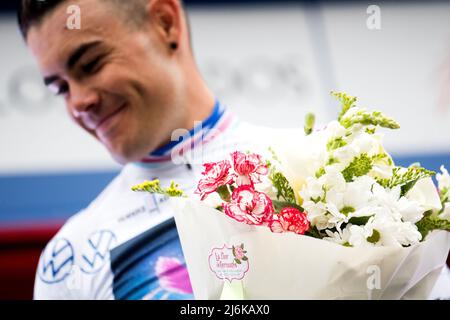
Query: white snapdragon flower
<point>335,130</point>
<point>352,111</point>
<point>301,156</point>
<point>444,184</point>
<point>213,200</point>
<point>332,181</point>
<point>313,189</point>
<point>344,156</point>
<point>266,187</point>
<point>367,143</point>
<point>443,179</point>
<point>322,198</point>
<point>381,170</point>
<point>424,192</point>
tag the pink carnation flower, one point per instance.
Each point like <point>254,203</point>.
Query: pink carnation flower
<point>249,167</point>
<point>249,206</point>
<point>216,174</point>
<point>290,220</point>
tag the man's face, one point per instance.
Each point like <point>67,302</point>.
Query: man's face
<point>120,83</point>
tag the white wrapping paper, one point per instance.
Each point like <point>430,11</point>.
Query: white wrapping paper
<point>289,266</point>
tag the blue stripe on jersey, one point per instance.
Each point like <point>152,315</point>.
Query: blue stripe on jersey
<point>151,266</point>
<point>205,126</point>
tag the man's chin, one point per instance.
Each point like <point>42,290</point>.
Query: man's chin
<point>123,156</point>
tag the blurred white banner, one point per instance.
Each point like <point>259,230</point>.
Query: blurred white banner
<point>270,65</point>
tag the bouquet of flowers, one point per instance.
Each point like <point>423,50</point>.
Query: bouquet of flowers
<point>327,216</point>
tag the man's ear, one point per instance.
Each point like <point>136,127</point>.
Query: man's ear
<point>165,19</point>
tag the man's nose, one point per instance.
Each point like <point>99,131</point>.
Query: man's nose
<point>82,99</point>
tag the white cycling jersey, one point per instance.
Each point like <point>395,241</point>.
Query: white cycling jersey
<point>124,245</point>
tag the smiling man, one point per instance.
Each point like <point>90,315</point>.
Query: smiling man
<point>129,79</point>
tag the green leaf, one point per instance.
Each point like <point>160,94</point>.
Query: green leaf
<point>313,232</point>
<point>359,221</point>
<point>281,184</point>
<point>237,261</point>
<point>406,180</point>
<point>408,186</point>
<point>279,205</point>
<point>244,258</point>
<point>224,193</point>
<point>430,223</point>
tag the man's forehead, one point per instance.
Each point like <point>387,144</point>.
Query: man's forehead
<point>53,39</point>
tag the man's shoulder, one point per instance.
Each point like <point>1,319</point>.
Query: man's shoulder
<point>117,192</point>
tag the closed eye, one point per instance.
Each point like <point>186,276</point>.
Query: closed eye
<point>59,89</point>
<point>90,67</point>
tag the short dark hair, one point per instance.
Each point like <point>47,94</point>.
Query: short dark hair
<point>31,12</point>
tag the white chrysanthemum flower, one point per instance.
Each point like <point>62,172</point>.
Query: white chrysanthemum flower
<point>335,217</point>
<point>443,179</point>
<point>393,232</point>
<point>389,199</point>
<point>340,236</point>
<point>410,210</point>
<point>358,193</point>
<point>401,208</point>
<point>359,234</point>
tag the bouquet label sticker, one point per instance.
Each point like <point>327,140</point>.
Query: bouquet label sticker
<point>230,263</point>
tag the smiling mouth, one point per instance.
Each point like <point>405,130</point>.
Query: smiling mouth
<point>107,123</point>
